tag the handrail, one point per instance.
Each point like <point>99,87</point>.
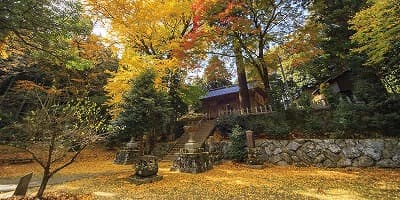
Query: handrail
<point>247,111</point>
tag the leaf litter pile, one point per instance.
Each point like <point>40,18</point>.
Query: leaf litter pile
<point>224,181</point>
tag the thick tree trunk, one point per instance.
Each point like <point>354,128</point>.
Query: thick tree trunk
<point>43,184</point>
<point>265,80</point>
<point>244,97</point>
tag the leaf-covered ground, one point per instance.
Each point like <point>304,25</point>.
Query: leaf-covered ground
<point>225,181</point>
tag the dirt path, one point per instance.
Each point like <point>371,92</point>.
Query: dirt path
<point>9,184</point>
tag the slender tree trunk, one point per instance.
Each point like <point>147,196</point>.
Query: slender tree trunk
<point>286,86</point>
<point>43,184</point>
<point>244,97</point>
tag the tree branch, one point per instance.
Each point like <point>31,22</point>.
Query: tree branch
<point>69,162</point>
<point>32,154</point>
<point>220,54</point>
<point>35,46</point>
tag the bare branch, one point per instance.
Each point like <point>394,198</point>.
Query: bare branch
<point>32,154</point>
<point>69,162</point>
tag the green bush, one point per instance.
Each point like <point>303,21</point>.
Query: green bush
<point>345,120</point>
<point>344,115</point>
<point>386,116</point>
<point>304,101</point>
<point>226,123</point>
<point>238,138</point>
<point>272,125</point>
<point>313,124</point>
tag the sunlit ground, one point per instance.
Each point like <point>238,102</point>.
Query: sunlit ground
<point>225,181</point>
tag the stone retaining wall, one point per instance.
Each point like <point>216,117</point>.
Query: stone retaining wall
<point>329,152</point>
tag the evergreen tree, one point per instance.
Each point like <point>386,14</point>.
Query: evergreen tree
<point>144,109</point>
<point>334,17</point>
<point>238,138</point>
<point>173,81</point>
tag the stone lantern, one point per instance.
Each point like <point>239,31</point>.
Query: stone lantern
<point>146,169</point>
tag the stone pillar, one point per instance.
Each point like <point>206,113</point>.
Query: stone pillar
<point>210,143</point>
<point>191,145</point>
<point>252,155</point>
<point>250,139</point>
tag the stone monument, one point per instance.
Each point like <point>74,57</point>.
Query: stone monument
<point>23,185</point>
<point>128,154</point>
<point>146,169</point>
<point>253,160</point>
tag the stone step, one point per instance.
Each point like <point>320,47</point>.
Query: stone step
<point>170,157</point>
<point>199,136</point>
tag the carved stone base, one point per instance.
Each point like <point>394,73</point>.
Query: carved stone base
<point>138,180</point>
<point>146,166</point>
<point>192,162</point>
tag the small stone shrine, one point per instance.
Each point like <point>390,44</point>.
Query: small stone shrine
<point>128,154</point>
<point>192,159</point>
<point>146,169</point>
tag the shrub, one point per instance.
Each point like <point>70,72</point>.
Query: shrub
<point>304,101</point>
<point>225,124</point>
<point>238,138</point>
<point>386,116</point>
<point>345,120</point>
<point>343,115</point>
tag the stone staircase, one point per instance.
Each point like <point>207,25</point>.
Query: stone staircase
<point>202,131</point>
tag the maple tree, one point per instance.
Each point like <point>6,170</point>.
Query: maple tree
<point>151,34</point>
<point>224,39</point>
<point>22,74</point>
<point>53,130</point>
<point>377,35</point>
<point>301,46</point>
<point>255,25</point>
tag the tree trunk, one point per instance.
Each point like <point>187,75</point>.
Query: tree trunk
<point>265,80</point>
<point>244,97</point>
<point>43,184</point>
<point>149,142</point>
